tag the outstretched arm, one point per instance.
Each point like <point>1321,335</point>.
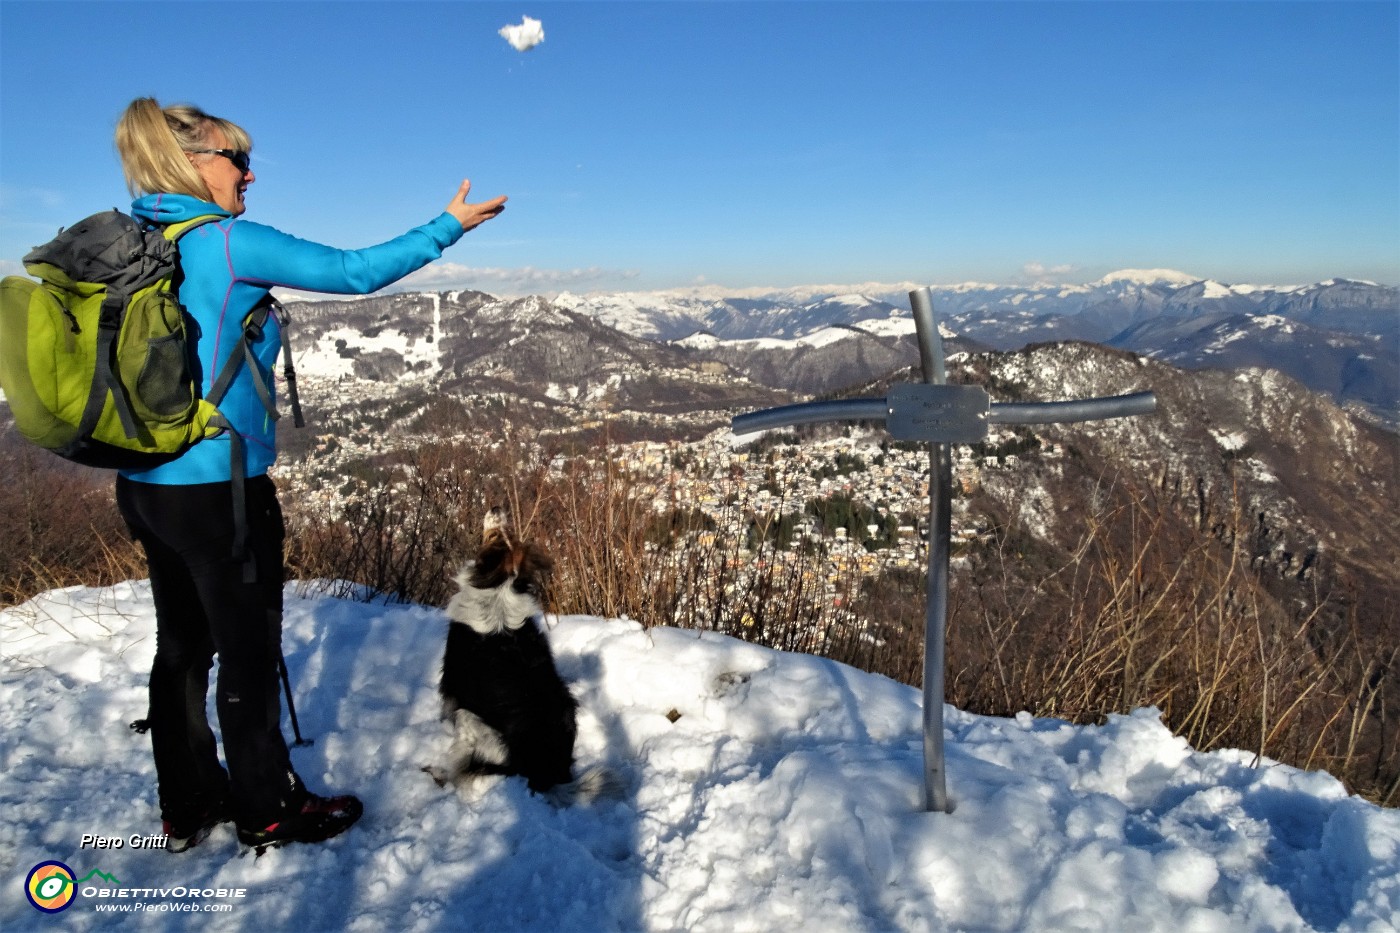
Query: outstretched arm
<point>266,256</point>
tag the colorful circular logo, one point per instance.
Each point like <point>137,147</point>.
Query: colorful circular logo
<point>50,887</point>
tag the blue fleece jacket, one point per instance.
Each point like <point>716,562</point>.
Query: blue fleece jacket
<point>229,265</point>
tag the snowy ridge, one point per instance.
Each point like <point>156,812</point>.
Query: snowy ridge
<point>1124,297</point>
<point>764,791</point>
<point>819,338</point>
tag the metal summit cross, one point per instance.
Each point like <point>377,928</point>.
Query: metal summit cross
<point>941,415</point>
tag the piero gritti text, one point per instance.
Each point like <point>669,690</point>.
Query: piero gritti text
<point>134,841</point>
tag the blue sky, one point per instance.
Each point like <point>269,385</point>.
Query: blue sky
<point>656,145</point>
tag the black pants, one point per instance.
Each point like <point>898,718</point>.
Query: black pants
<point>204,607</point>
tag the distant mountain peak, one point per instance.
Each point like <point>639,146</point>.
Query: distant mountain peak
<point>1149,277</point>
<point>1331,283</point>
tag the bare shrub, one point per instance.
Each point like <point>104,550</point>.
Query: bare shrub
<point>1148,611</point>
<point>402,532</point>
<point>624,546</point>
<point>59,524</point>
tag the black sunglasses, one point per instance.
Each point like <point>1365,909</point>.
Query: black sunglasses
<point>240,159</point>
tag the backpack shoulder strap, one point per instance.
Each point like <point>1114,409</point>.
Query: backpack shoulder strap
<point>174,231</point>
<point>289,373</point>
<point>242,352</point>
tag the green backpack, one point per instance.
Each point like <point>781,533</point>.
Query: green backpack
<point>94,358</point>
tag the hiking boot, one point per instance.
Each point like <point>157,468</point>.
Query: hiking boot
<point>186,833</point>
<point>319,819</point>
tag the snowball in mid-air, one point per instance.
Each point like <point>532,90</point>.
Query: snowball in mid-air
<point>526,36</point>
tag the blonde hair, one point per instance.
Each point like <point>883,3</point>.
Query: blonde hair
<point>152,142</point>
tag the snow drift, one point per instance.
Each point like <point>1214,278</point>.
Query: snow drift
<point>764,791</point>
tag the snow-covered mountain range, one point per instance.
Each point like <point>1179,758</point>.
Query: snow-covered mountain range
<point>1338,337</point>
<point>1000,315</point>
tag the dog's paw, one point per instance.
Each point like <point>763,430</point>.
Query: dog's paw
<point>439,776</point>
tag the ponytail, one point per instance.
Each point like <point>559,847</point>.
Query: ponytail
<point>153,141</point>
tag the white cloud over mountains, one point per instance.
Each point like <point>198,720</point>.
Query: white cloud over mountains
<point>1040,272</point>
<point>447,276</point>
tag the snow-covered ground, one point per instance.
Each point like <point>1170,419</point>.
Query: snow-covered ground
<point>763,791</point>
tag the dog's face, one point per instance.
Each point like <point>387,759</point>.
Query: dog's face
<point>501,589</point>
<point>505,558</point>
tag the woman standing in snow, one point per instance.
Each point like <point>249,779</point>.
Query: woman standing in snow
<point>182,163</point>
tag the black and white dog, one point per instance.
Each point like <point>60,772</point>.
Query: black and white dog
<point>510,711</point>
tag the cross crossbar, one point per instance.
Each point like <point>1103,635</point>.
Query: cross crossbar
<point>879,409</point>
<point>939,414</point>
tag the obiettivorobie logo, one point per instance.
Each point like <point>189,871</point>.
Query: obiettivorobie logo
<point>51,886</point>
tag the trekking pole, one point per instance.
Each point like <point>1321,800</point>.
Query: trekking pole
<point>291,706</point>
